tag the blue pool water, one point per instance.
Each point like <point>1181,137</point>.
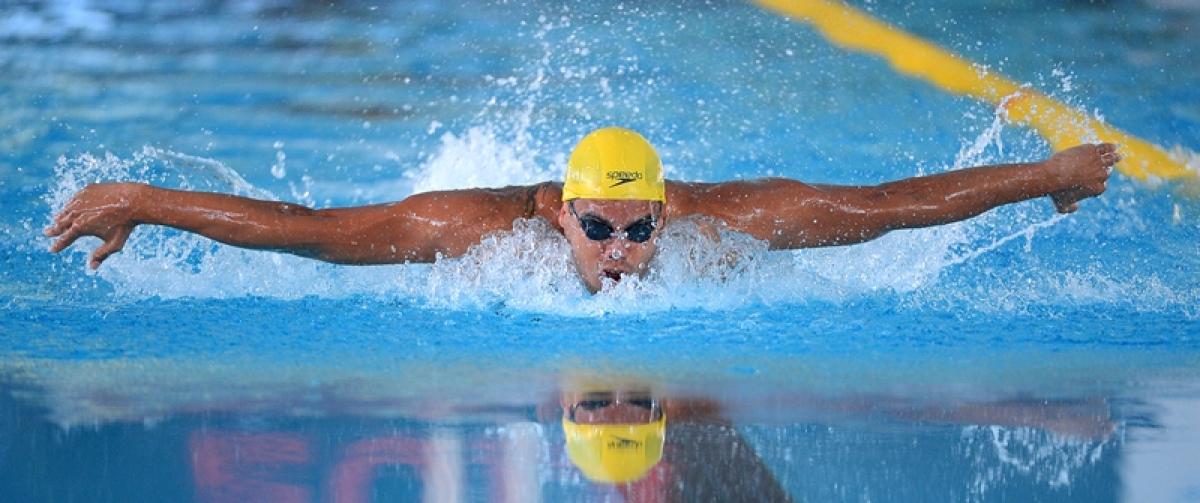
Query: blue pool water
<point>1018,356</point>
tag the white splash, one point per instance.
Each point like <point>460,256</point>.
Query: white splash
<point>479,159</point>
<point>1000,454</point>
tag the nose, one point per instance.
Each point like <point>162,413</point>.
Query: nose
<point>615,253</point>
<point>615,249</point>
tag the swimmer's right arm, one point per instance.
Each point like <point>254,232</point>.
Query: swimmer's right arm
<point>418,229</point>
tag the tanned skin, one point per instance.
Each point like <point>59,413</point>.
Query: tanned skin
<point>785,213</point>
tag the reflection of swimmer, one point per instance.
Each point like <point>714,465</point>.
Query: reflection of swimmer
<point>620,434</point>
<point>613,204</point>
<point>621,437</point>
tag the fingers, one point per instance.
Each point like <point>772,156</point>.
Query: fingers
<point>61,223</point>
<point>1064,203</point>
<point>1068,201</point>
<point>1110,158</point>
<point>65,215</point>
<point>68,237</point>
<point>1108,154</point>
<point>113,245</point>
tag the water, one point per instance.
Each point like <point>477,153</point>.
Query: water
<point>1017,356</point>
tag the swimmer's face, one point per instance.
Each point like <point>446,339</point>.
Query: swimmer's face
<point>611,407</point>
<point>618,255</point>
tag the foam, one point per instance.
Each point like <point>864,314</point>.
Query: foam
<point>1001,454</point>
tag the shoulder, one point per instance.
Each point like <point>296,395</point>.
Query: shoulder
<point>681,197</point>
<point>545,202</point>
<point>685,198</point>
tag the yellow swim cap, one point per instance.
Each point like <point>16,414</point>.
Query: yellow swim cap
<point>614,163</point>
<point>615,453</point>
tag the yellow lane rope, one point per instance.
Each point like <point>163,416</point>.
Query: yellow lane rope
<point>1062,125</point>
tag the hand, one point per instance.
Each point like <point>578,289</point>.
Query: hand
<point>1084,171</point>
<point>104,210</point>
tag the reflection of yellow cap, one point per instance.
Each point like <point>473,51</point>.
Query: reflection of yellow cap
<point>614,163</point>
<point>615,453</point>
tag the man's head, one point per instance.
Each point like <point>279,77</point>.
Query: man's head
<point>614,200</point>
<point>613,436</point>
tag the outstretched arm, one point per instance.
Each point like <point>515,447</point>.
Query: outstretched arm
<point>790,214</point>
<point>416,229</point>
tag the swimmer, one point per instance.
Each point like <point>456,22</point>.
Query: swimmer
<point>611,208</point>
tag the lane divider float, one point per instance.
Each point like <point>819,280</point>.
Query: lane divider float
<point>1062,125</point>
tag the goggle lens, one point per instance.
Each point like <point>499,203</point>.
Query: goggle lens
<point>597,229</point>
<point>595,402</point>
<point>640,231</point>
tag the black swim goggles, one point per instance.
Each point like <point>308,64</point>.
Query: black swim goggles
<point>595,401</point>
<point>598,229</point>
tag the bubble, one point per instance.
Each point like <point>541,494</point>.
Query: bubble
<point>279,168</point>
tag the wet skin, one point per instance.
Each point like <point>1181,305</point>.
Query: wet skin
<point>787,214</point>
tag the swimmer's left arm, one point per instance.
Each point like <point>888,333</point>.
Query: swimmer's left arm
<point>789,214</point>
<point>420,228</point>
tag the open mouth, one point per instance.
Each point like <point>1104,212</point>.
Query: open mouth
<point>611,274</point>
